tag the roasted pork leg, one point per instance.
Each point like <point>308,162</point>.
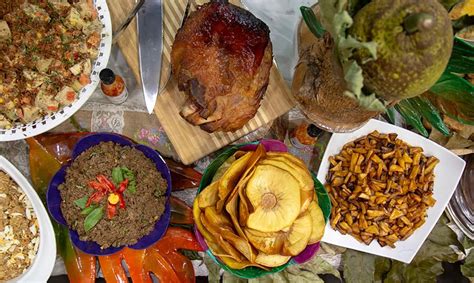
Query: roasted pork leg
<point>221,58</point>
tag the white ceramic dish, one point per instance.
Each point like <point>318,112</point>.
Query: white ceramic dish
<point>43,264</point>
<point>447,175</point>
<point>48,122</point>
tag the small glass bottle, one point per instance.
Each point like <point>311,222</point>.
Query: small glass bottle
<point>113,86</point>
<point>305,135</point>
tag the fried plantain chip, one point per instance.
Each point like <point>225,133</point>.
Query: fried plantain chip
<point>208,196</point>
<point>271,260</point>
<point>239,243</point>
<point>267,242</point>
<point>230,179</point>
<point>318,223</point>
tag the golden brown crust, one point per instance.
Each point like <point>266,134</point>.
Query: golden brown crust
<point>221,58</point>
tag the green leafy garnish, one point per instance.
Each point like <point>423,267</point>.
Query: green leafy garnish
<point>93,218</point>
<point>121,173</point>
<point>81,203</point>
<point>132,183</point>
<point>117,175</point>
<point>89,209</point>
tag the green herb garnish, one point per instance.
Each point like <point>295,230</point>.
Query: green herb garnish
<point>93,218</point>
<point>132,183</point>
<point>89,209</point>
<point>117,175</point>
<point>81,203</point>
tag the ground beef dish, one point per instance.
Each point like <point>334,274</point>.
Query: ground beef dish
<point>143,207</point>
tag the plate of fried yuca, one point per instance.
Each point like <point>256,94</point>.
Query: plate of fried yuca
<point>388,187</point>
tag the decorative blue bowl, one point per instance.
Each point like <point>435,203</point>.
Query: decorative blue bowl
<point>53,196</point>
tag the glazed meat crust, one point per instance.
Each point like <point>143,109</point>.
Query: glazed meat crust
<point>221,58</point>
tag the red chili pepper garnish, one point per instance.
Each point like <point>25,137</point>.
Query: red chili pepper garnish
<point>98,186</point>
<point>111,210</point>
<point>123,186</point>
<point>95,198</point>
<point>102,179</point>
<point>122,201</point>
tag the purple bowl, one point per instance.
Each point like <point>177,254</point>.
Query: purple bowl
<point>53,196</point>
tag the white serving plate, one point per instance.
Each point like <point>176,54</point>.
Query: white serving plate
<point>447,175</point>
<point>43,264</point>
<point>23,131</point>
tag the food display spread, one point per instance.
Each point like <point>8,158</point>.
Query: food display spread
<point>19,230</point>
<point>260,210</point>
<point>112,195</point>
<point>221,58</point>
<point>380,188</point>
<point>47,49</point>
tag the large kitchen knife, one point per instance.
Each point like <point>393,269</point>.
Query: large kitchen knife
<point>150,39</point>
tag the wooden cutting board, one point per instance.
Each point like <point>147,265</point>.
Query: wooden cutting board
<point>190,142</point>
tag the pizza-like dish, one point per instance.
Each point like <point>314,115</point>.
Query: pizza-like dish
<point>47,48</point>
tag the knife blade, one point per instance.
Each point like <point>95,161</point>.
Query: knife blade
<point>150,47</point>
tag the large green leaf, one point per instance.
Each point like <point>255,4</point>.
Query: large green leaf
<point>382,266</point>
<point>411,116</point>
<point>454,96</point>
<point>213,268</point>
<point>467,268</point>
<point>462,57</point>
<point>423,106</point>
<point>358,266</point>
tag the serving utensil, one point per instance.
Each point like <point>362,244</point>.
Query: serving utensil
<point>150,38</point>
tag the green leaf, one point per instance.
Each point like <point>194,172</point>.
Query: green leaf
<point>454,96</point>
<point>467,243</point>
<point>391,114</point>
<point>355,5</point>
<point>358,266</point>
<point>132,182</point>
<point>462,57</point>
<point>462,47</point>
<point>427,263</point>
<point>382,266</point>
<point>318,265</point>
<point>192,255</point>
<point>81,203</point>
<point>229,278</point>
<point>214,269</point>
<point>93,218</point>
<point>448,4</point>
<point>467,268</point>
<point>411,116</point>
<point>89,209</point>
<point>430,113</point>
<point>312,21</point>
<point>117,175</point>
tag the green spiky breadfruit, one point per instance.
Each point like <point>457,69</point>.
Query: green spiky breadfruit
<point>414,42</point>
